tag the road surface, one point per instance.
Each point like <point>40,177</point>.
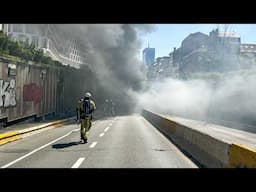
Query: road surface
<point>118,142</point>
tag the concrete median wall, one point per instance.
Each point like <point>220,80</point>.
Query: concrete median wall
<point>207,150</point>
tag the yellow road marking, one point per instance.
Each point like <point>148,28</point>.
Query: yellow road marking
<point>8,134</point>
<point>9,139</point>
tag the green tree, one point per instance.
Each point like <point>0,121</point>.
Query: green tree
<point>38,55</point>
<point>4,43</point>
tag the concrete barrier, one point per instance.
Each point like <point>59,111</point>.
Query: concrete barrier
<point>242,156</point>
<point>16,134</point>
<point>207,150</point>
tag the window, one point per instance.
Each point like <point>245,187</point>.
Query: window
<point>9,27</point>
<point>30,28</point>
<point>12,70</point>
<point>18,28</point>
<point>35,41</point>
<point>44,43</point>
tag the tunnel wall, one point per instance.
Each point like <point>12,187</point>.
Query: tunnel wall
<point>33,90</point>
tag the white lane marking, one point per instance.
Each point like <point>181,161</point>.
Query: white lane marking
<point>35,150</point>
<point>106,129</point>
<point>102,134</point>
<point>78,162</point>
<point>93,144</point>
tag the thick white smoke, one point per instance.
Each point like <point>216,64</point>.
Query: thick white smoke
<point>231,97</point>
<point>172,96</point>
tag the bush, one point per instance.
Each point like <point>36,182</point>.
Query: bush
<point>3,42</point>
<point>39,54</point>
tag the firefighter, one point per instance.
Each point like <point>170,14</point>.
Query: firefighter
<point>87,107</point>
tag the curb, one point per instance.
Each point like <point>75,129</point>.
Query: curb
<point>16,134</point>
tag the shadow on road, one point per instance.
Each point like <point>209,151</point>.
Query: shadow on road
<point>65,145</point>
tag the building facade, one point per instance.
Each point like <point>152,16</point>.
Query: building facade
<point>201,53</point>
<point>247,56</point>
<point>216,52</point>
<point>193,49</point>
<point>224,50</point>
<point>162,68</point>
<point>48,37</point>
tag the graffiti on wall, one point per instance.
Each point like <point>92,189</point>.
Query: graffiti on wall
<point>7,93</point>
<point>32,92</point>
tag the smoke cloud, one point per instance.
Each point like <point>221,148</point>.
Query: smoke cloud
<point>228,98</point>
<point>113,71</point>
<point>111,51</point>
<point>118,75</point>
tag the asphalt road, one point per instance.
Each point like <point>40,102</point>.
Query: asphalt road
<point>118,142</point>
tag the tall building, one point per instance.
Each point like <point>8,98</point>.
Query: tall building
<point>148,56</point>
<point>216,52</point>
<point>49,37</point>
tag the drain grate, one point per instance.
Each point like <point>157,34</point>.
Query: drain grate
<point>160,149</point>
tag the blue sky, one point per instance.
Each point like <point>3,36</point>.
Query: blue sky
<point>167,36</point>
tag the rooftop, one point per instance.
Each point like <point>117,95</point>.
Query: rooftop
<point>248,48</point>
<point>228,34</point>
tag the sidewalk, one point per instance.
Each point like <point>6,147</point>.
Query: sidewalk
<point>21,126</point>
<point>14,132</point>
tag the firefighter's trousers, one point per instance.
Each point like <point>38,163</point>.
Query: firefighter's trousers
<point>85,127</point>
